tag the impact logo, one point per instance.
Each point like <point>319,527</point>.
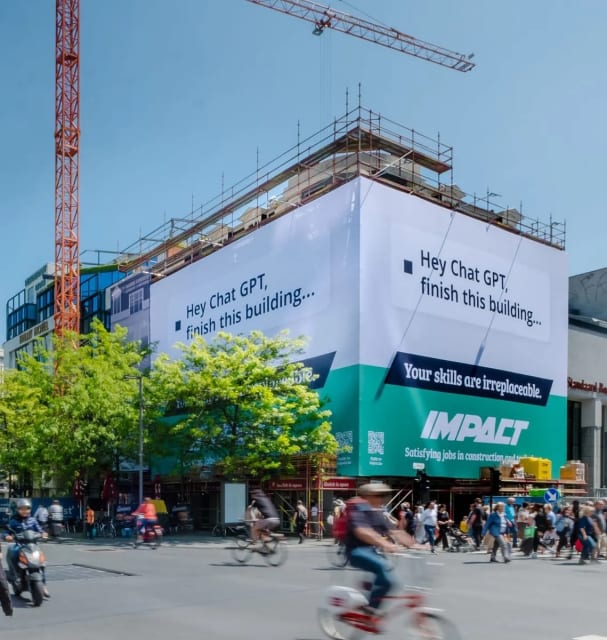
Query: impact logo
<point>464,426</point>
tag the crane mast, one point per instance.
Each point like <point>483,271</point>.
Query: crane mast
<point>67,184</point>
<point>327,18</point>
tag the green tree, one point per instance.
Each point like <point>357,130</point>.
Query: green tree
<point>72,409</point>
<point>24,409</point>
<point>244,402</point>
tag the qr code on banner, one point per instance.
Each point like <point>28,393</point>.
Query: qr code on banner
<point>344,439</point>
<point>375,442</point>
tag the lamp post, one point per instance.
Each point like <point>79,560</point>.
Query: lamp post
<point>139,379</point>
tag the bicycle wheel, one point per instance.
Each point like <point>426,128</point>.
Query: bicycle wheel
<point>430,626</point>
<point>336,629</point>
<point>275,553</point>
<point>337,555</point>
<point>241,551</point>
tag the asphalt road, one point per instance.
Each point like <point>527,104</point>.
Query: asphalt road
<point>195,590</point>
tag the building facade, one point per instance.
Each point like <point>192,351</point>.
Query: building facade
<point>587,375</point>
<point>437,321</point>
<point>29,313</point>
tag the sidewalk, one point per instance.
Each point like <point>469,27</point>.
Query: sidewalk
<point>197,539</point>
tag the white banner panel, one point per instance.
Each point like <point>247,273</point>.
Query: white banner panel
<point>300,272</point>
<point>445,285</point>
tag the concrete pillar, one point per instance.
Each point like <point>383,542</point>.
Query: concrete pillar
<point>592,425</point>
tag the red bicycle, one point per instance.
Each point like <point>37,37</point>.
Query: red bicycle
<point>342,615</point>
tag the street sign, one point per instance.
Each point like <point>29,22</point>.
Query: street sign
<point>419,466</point>
<point>552,495</point>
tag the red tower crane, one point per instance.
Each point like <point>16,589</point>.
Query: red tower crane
<point>67,184</point>
<point>327,18</point>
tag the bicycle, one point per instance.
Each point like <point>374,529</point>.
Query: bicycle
<point>336,553</point>
<point>342,615</point>
<point>106,529</point>
<point>273,549</point>
<point>228,529</point>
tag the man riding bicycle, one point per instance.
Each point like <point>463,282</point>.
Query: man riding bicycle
<point>269,516</point>
<point>369,531</point>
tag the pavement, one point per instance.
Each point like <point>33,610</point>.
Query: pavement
<point>192,588</point>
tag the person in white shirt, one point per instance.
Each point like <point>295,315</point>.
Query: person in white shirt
<point>429,521</point>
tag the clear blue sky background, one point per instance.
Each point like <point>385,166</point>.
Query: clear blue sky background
<point>177,92</point>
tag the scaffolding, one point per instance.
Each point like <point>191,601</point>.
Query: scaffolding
<point>360,143</point>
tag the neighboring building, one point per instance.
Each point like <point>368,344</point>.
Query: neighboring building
<point>29,313</point>
<point>587,375</point>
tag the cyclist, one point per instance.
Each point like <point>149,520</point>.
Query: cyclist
<point>269,519</point>
<point>147,512</point>
<point>369,531</point>
<point>23,521</point>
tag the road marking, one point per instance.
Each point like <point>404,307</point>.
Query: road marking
<point>590,638</point>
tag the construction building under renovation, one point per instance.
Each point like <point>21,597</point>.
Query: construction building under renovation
<point>412,286</point>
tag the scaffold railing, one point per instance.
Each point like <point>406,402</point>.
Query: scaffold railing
<point>359,143</point>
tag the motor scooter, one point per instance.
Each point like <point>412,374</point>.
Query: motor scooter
<point>150,534</point>
<point>26,564</point>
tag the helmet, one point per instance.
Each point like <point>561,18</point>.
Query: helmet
<point>24,503</point>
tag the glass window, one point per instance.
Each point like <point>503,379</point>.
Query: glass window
<point>574,430</point>
<point>136,301</point>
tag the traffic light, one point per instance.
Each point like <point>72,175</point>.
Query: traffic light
<point>423,481</point>
<point>496,483</point>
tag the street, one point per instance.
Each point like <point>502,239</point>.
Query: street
<point>193,589</point>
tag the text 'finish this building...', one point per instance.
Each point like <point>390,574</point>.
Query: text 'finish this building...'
<point>437,321</point>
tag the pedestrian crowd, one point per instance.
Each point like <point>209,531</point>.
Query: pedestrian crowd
<point>536,529</point>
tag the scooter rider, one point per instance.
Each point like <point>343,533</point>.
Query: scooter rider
<point>22,521</point>
<point>147,512</point>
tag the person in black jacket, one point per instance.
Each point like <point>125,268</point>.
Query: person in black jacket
<point>443,522</point>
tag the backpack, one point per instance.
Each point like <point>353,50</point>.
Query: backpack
<point>341,525</point>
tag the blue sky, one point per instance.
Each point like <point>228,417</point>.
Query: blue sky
<point>177,93</point>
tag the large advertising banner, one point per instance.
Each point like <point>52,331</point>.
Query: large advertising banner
<point>463,341</point>
<point>299,272</point>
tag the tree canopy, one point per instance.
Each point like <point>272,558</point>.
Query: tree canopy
<point>242,402</point>
<point>71,409</point>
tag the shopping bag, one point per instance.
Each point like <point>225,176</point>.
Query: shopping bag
<point>529,532</point>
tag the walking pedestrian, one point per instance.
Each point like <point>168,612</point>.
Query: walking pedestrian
<point>300,518</point>
<point>475,522</point>
<point>42,516</point>
<point>443,522</point>
<point>314,524</point>
<point>540,521</point>
<point>588,533</point>
<point>429,516</point>
<point>55,515</point>
<point>89,517</point>
<point>563,528</point>
<point>497,525</point>
<point>510,512</point>
<point>406,520</point>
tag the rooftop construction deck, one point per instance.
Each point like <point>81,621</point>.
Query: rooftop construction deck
<point>361,143</point>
